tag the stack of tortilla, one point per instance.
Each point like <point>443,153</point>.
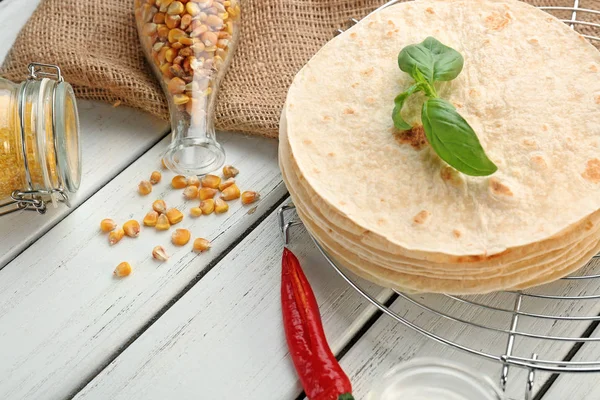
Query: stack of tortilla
<point>385,206</point>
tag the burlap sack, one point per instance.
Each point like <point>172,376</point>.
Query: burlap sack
<point>96,45</point>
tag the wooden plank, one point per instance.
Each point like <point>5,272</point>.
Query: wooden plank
<point>62,314</point>
<point>388,343</point>
<point>579,386</point>
<point>224,339</point>
<point>111,138</point>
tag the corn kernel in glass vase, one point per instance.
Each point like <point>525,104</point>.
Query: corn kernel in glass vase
<point>189,46</point>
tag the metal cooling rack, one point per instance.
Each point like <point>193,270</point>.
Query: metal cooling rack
<point>509,321</point>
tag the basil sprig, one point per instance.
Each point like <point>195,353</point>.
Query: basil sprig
<point>448,133</point>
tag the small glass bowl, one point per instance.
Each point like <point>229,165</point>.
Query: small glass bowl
<point>431,378</point>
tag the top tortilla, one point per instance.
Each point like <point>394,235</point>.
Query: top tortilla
<point>530,89</point>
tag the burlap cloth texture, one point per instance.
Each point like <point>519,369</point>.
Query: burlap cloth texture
<point>96,45</point>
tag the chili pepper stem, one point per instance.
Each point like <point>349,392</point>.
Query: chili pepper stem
<point>345,396</point>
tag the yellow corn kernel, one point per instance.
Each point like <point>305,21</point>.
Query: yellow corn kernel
<point>206,193</point>
<point>172,21</point>
<point>155,177</point>
<point>175,34</point>
<point>179,182</point>
<point>176,85</point>
<point>190,192</point>
<point>180,237</point>
<point>122,270</point>
<point>159,206</point>
<point>107,225</point>
<point>115,236</point>
<point>196,212</point>
<point>229,171</point>
<point>151,218</point>
<point>162,163</point>
<point>201,245</point>
<point>230,193</point>
<point>166,71</point>
<point>221,206</point>
<point>175,8</point>
<point>226,183</point>
<point>249,197</point>
<point>175,216</point>
<point>211,181</point>
<point>179,99</point>
<point>159,253</point>
<point>132,228</point>
<point>193,181</point>
<point>144,188</point>
<point>207,206</point>
<point>162,223</point>
<point>192,8</point>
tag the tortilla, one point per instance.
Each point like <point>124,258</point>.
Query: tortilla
<point>386,206</point>
<point>527,76</point>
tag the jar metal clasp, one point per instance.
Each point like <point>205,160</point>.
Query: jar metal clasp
<point>34,200</point>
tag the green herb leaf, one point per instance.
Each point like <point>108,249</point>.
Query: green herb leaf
<point>453,139</point>
<point>428,88</point>
<point>433,59</point>
<point>399,122</point>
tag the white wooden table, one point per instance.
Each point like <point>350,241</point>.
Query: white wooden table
<point>202,326</point>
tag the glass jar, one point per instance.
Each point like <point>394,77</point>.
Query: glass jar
<point>434,379</point>
<point>189,45</point>
<point>39,141</point>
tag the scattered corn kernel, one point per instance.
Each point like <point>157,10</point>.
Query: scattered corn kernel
<point>155,177</point>
<point>162,224</point>
<point>221,206</point>
<point>159,206</point>
<point>144,188</point>
<point>211,181</point>
<point>231,193</point>
<point>193,181</point>
<point>107,225</point>
<point>206,193</point>
<point>151,218</point>
<point>180,237</point>
<point>174,215</point>
<point>226,183</point>
<point>190,192</point>
<point>249,197</point>
<point>115,236</point>
<point>132,228</point>
<point>122,270</point>
<point>207,206</point>
<point>196,212</point>
<point>159,253</point>
<point>229,171</point>
<point>179,182</point>
<point>201,245</point>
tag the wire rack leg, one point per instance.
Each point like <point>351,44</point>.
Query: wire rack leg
<point>530,380</point>
<point>284,227</point>
<point>510,342</point>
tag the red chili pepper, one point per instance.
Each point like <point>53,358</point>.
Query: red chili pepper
<point>320,374</point>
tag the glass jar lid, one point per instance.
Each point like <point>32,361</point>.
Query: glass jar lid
<point>66,136</point>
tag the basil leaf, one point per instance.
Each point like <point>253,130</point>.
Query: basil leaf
<point>453,139</point>
<point>399,122</point>
<point>428,88</point>
<point>436,61</point>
